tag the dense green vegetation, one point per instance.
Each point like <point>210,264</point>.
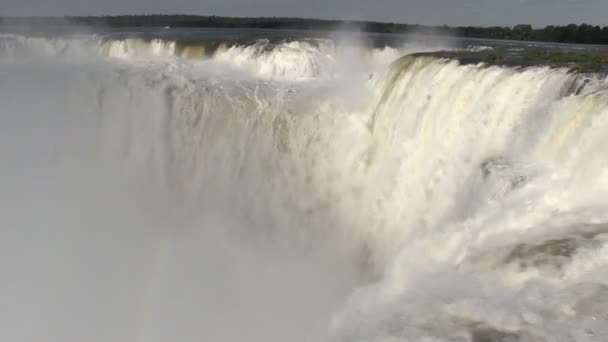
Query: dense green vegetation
<point>579,61</point>
<point>584,33</point>
<point>581,34</point>
<point>583,61</point>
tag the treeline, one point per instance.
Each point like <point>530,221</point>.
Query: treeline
<point>580,34</point>
<point>179,21</point>
<point>586,34</point>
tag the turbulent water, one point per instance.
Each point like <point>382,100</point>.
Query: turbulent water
<point>310,190</point>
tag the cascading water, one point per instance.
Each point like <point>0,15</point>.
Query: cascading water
<point>297,191</point>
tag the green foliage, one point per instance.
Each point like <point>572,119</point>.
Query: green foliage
<point>490,58</point>
<point>579,61</point>
<point>584,33</point>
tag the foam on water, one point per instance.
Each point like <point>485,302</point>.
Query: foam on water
<point>273,192</point>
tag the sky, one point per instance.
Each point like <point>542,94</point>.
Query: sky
<point>431,12</point>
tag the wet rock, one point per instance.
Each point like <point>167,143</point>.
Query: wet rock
<point>493,335</point>
<point>557,251</point>
<point>503,168</point>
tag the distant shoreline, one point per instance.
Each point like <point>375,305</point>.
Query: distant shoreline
<point>573,34</point>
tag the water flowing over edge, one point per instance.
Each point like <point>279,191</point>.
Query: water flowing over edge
<point>469,200</point>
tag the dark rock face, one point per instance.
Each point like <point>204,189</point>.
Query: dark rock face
<point>502,166</point>
<point>553,253</point>
<point>492,335</point>
<point>558,251</point>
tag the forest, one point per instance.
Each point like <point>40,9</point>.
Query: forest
<point>573,33</point>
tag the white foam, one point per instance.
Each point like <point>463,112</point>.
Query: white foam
<point>440,191</point>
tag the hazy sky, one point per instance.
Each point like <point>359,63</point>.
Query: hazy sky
<point>451,12</point>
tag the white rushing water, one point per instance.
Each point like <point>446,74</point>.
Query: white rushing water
<point>302,191</point>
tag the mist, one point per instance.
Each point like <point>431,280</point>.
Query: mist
<point>98,244</point>
<point>313,189</point>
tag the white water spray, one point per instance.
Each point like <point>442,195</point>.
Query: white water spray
<point>271,193</point>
